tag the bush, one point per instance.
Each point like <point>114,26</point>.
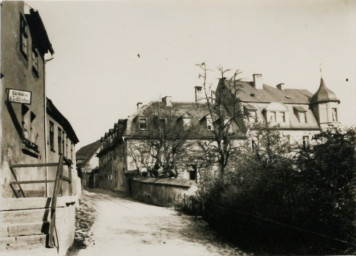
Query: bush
<point>312,189</point>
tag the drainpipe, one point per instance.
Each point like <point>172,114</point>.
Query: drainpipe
<point>45,118</point>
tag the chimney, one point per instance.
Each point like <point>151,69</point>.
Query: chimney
<point>167,101</point>
<point>280,86</point>
<point>257,81</point>
<point>199,95</point>
<point>139,105</point>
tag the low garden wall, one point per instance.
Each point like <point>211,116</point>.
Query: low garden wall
<point>162,192</point>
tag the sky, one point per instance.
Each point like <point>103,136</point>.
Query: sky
<point>109,55</point>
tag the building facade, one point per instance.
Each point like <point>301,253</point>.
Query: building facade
<point>297,113</point>
<point>163,137</point>
<point>29,123</point>
<point>127,147</point>
<point>88,163</point>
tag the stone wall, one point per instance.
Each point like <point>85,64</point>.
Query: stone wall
<point>162,192</point>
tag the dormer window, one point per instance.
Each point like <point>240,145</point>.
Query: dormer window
<point>301,113</point>
<point>187,122</point>
<point>209,124</point>
<point>302,117</point>
<point>273,116</point>
<point>283,117</point>
<point>251,113</point>
<point>252,116</point>
<point>334,115</point>
<point>163,122</point>
<point>142,123</point>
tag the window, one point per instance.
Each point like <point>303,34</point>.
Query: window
<point>51,136</point>
<point>209,124</point>
<point>273,117</point>
<point>305,141</point>
<point>283,117</point>
<point>25,122</point>
<point>142,123</point>
<point>193,172</point>
<point>67,149</point>
<point>334,114</point>
<point>23,37</point>
<point>302,117</point>
<point>253,144</point>
<point>63,145</point>
<point>252,116</point>
<point>162,122</point>
<point>33,136</point>
<point>187,122</point>
<point>35,61</point>
<point>59,137</point>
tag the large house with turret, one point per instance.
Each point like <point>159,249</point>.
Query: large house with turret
<point>297,113</point>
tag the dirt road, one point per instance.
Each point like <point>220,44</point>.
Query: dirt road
<point>129,228</point>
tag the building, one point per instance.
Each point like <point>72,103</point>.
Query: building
<point>29,157</point>
<point>183,129</point>
<point>60,140</point>
<point>88,163</point>
<point>297,113</point>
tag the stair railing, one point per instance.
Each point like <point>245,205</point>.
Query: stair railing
<point>53,238</point>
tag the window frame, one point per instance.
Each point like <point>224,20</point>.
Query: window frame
<point>334,116</point>
<point>24,38</point>
<point>209,124</point>
<point>35,61</point>
<point>59,140</point>
<point>142,121</point>
<point>252,118</point>
<point>273,117</point>
<point>306,141</point>
<point>51,136</point>
<point>63,144</point>
<point>283,116</point>
<point>25,122</point>
<point>302,114</point>
<point>163,121</point>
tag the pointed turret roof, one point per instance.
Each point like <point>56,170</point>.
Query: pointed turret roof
<point>324,94</point>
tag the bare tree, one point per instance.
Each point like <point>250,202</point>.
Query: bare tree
<point>223,116</point>
<point>162,145</point>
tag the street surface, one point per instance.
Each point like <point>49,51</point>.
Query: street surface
<point>129,228</point>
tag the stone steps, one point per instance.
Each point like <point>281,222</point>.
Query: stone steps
<point>23,216</point>
<point>24,223</point>
<point>21,242</point>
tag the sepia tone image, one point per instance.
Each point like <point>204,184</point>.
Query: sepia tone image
<point>181,128</point>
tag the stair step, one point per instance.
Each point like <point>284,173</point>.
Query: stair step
<point>25,203</point>
<point>28,242</point>
<point>25,216</point>
<point>25,229</point>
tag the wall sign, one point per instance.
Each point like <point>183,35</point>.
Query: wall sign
<point>19,96</point>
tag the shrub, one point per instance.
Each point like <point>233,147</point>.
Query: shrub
<point>312,189</point>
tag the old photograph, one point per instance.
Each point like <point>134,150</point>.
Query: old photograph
<point>181,128</point>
